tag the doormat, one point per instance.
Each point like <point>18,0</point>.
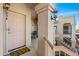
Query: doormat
<point>19,52</point>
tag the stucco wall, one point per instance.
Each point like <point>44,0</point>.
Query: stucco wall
<point>45,29</point>
<point>67,19</point>
<point>42,31</point>
<point>1,29</point>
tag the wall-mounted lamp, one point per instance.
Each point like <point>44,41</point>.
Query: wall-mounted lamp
<point>54,17</point>
<point>6,6</point>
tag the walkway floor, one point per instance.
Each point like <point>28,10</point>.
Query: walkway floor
<point>33,48</point>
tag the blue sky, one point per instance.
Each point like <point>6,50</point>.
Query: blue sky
<point>69,9</point>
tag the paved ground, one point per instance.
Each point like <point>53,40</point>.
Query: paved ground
<point>33,48</point>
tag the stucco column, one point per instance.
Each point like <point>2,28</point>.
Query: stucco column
<point>45,28</point>
<point>73,37</point>
<point>1,30</point>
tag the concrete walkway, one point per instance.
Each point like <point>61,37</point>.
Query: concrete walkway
<point>33,48</point>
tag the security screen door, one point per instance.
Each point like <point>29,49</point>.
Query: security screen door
<point>15,34</point>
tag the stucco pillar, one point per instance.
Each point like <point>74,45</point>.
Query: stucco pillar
<point>1,30</point>
<point>45,28</point>
<point>73,37</point>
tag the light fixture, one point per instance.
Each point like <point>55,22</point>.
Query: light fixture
<point>6,6</point>
<point>54,15</point>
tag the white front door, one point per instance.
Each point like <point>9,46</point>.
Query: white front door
<point>15,33</point>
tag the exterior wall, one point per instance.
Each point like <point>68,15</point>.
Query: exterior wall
<point>51,33</point>
<point>45,27</point>
<point>42,31</point>
<point>34,26</point>
<point>1,30</point>
<point>68,19</point>
<point>34,16</point>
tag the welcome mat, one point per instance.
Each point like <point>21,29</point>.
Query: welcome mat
<point>19,52</point>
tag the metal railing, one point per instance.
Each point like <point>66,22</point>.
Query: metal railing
<point>67,32</point>
<point>61,43</point>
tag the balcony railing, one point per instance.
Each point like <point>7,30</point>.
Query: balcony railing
<point>66,31</point>
<point>61,43</point>
<point>67,41</point>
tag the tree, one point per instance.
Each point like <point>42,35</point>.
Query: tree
<point>77,30</point>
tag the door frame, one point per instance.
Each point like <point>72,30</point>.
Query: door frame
<point>6,18</point>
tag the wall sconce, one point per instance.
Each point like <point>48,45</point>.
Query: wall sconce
<point>6,6</point>
<point>54,17</point>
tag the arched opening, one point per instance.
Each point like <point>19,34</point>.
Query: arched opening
<point>67,28</point>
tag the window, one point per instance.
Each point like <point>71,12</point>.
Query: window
<point>65,30</point>
<point>65,27</point>
<point>56,53</point>
<point>62,53</point>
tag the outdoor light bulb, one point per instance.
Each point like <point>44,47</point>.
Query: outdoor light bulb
<point>6,5</point>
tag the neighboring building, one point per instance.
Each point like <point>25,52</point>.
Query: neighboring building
<point>65,35</point>
<point>34,26</point>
